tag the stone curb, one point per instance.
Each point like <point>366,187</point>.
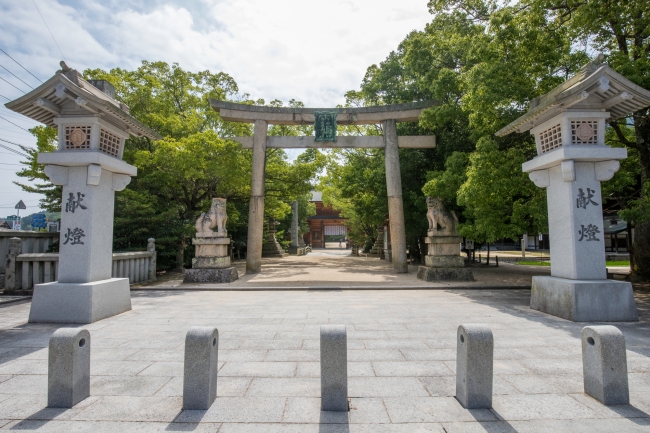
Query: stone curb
<point>302,288</point>
<point>14,299</point>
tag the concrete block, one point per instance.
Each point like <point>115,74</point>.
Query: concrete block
<point>68,377</point>
<point>200,369</point>
<point>79,303</point>
<point>604,364</point>
<point>333,368</point>
<point>444,274</point>
<point>474,366</point>
<point>584,300</point>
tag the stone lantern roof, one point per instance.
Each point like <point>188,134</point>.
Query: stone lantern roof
<point>68,94</point>
<point>595,87</point>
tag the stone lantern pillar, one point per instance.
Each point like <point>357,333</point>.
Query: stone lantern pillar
<point>295,247</point>
<point>569,128</point>
<point>88,165</point>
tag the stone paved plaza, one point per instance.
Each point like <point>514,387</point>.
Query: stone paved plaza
<point>401,353</point>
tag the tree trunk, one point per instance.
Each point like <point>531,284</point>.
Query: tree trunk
<point>629,244</point>
<point>180,256</point>
<point>641,247</point>
<point>487,262</point>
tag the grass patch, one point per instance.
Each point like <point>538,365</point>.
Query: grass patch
<point>608,263</point>
<point>618,263</point>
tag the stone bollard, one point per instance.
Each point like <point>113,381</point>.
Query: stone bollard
<point>68,377</point>
<point>474,358</point>
<point>201,365</point>
<point>333,368</point>
<point>604,364</point>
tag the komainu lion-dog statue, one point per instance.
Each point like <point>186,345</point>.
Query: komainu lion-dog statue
<point>215,217</point>
<point>439,216</point>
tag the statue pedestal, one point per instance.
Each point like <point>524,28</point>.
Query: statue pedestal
<point>212,262</point>
<point>443,261</point>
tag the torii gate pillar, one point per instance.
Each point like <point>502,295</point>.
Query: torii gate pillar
<point>394,190</point>
<point>256,208</point>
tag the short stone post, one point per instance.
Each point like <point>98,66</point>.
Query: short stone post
<point>333,368</point>
<point>151,247</point>
<point>604,364</point>
<point>68,377</point>
<point>13,275</point>
<point>201,365</point>
<point>474,366</point>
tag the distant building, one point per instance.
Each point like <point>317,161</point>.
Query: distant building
<point>327,227</point>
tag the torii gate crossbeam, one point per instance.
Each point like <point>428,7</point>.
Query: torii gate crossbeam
<point>387,116</point>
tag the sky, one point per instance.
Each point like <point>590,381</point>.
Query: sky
<point>312,51</point>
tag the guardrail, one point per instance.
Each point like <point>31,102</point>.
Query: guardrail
<point>23,271</point>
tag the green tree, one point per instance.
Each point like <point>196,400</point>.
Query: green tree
<point>545,50</point>
<point>499,199</point>
<point>46,141</point>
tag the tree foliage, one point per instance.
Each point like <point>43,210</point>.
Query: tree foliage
<point>46,141</point>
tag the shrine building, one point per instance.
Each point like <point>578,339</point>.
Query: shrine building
<point>327,227</point>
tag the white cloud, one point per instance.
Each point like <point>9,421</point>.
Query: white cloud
<point>312,51</point>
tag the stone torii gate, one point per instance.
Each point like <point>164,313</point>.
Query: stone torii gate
<point>387,116</point>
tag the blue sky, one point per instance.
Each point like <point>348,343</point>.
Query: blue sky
<point>313,51</point>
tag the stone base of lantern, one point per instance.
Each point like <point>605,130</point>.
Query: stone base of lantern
<point>273,249</point>
<point>584,300</point>
<point>79,302</point>
<point>207,275</point>
<point>297,251</point>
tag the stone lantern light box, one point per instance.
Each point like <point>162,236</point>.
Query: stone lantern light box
<point>572,160</point>
<point>92,129</point>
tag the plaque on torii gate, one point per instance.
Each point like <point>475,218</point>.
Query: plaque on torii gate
<point>325,121</point>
